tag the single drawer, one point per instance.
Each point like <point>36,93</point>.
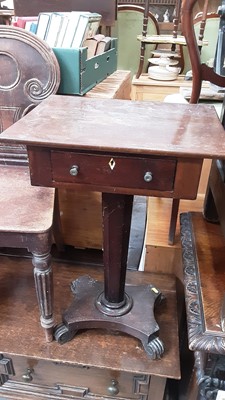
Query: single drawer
<point>55,380</point>
<point>113,171</point>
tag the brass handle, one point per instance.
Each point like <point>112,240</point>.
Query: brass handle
<point>27,376</point>
<point>113,388</point>
<point>148,176</point>
<point>74,170</point>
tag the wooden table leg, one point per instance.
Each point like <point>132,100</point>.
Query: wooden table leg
<point>112,304</point>
<point>116,211</point>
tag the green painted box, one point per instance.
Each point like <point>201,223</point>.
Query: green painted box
<point>79,74</point>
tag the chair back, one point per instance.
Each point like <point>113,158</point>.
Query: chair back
<point>29,72</point>
<point>200,71</point>
<point>210,35</point>
<point>128,26</point>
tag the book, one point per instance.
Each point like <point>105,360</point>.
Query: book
<point>71,27</point>
<point>29,24</point>
<point>42,24</point>
<point>24,22</point>
<point>91,44</point>
<point>61,34</point>
<point>103,45</point>
<point>53,29</point>
<point>87,26</point>
<point>33,27</point>
<point>92,26</point>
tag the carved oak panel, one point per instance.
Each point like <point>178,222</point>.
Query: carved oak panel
<point>29,73</point>
<point>199,338</point>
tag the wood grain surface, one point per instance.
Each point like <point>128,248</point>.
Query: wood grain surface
<point>21,334</point>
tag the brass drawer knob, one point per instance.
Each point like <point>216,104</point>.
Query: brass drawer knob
<point>74,170</point>
<point>148,176</point>
<point>113,388</point>
<point>27,376</point>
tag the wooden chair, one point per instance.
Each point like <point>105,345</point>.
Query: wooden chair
<point>205,29</point>
<point>128,27</point>
<point>203,247</point>
<point>29,72</point>
<point>200,71</point>
<point>146,39</point>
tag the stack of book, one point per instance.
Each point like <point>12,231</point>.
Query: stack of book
<point>68,29</point>
<point>27,23</point>
<point>85,56</point>
<point>97,44</point>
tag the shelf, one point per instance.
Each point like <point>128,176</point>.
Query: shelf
<point>167,39</point>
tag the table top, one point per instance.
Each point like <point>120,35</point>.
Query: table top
<point>121,126</point>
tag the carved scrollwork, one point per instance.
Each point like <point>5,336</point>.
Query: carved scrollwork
<point>210,374</point>
<point>192,287</point>
<point>198,338</point>
<point>34,88</point>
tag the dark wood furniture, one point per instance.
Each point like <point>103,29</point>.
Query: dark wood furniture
<point>119,148</point>
<point>82,225</point>
<point>106,8</point>
<point>6,16</point>
<point>203,243</point>
<point>200,71</point>
<point>142,2</point>
<point>203,260</point>
<point>96,364</point>
<point>29,74</point>
<point>5,13</point>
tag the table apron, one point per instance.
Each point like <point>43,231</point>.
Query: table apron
<point>175,177</point>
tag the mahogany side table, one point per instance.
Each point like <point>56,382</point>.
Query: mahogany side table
<point>119,148</point>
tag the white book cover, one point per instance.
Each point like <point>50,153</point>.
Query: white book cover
<point>86,28</point>
<point>92,27</point>
<point>71,28</point>
<point>62,31</point>
<point>28,25</point>
<point>42,25</point>
<point>53,29</point>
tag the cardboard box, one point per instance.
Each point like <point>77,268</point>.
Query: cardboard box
<point>79,74</point>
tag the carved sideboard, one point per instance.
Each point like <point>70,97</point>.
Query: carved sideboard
<point>204,278</point>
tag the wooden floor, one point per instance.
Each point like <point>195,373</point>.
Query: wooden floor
<point>160,256</point>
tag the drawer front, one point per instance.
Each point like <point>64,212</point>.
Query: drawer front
<point>113,171</point>
<point>54,380</point>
